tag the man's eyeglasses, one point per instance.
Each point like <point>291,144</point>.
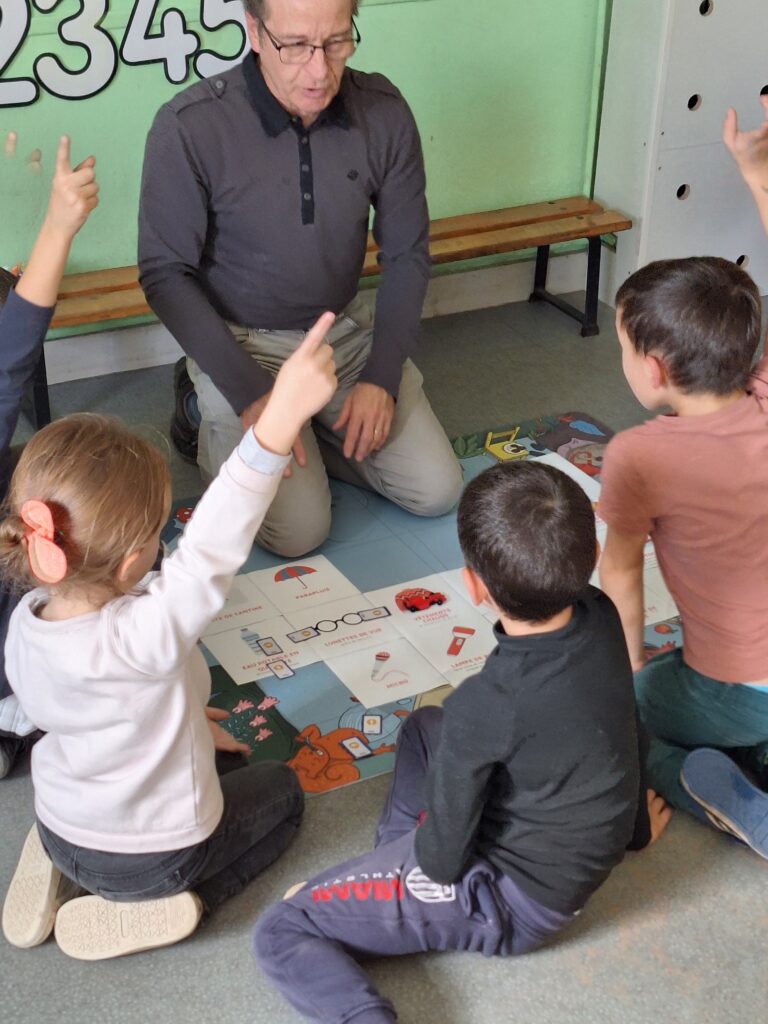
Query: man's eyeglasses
<point>302,53</point>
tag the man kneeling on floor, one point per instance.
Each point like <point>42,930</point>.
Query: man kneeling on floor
<point>510,806</point>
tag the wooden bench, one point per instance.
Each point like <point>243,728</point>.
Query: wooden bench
<point>102,296</point>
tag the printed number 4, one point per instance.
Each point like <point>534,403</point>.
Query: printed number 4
<point>173,44</point>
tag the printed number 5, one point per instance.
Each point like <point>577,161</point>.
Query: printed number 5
<point>14,22</point>
<point>215,14</point>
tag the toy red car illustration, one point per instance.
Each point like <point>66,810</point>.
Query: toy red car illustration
<point>417,599</point>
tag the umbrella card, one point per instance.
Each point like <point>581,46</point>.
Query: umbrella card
<point>306,583</point>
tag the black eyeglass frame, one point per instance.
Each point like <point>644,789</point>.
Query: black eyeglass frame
<point>355,38</point>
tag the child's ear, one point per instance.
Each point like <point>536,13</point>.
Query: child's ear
<point>478,594</point>
<point>657,372</point>
<point>127,564</point>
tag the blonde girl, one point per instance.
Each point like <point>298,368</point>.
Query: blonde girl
<point>129,806</point>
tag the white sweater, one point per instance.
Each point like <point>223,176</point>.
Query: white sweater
<point>127,764</point>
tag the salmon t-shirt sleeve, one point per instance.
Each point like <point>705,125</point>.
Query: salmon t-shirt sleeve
<point>624,496</point>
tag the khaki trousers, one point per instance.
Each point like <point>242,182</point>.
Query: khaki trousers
<point>416,468</point>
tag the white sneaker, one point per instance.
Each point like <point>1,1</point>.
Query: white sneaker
<point>92,928</point>
<point>36,892</point>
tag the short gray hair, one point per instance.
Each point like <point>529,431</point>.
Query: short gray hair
<point>258,8</point>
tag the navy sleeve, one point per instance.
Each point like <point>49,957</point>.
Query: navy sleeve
<point>22,330</point>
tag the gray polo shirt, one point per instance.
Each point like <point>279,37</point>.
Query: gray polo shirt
<point>247,216</point>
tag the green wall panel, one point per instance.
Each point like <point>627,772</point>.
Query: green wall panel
<point>505,93</point>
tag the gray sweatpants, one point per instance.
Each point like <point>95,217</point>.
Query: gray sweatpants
<point>382,904</point>
<point>416,468</point>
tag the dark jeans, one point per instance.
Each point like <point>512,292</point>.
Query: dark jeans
<point>263,808</point>
<point>683,710</point>
<point>382,904</point>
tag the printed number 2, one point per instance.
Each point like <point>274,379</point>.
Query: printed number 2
<point>82,29</point>
<point>14,22</point>
<point>172,45</point>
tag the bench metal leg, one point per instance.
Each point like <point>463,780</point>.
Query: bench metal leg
<point>41,409</point>
<point>540,275</point>
<point>589,321</point>
<point>588,317</point>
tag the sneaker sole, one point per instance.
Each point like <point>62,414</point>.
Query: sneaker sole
<point>755,836</point>
<point>91,928</point>
<point>30,906</point>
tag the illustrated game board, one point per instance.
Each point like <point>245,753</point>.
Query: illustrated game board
<point>319,660</point>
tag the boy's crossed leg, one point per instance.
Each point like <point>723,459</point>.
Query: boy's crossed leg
<point>685,711</point>
<point>382,904</point>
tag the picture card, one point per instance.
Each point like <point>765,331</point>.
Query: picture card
<point>245,603</point>
<point>440,623</point>
<point>352,624</point>
<point>391,670</point>
<point>248,653</point>
<point>305,583</point>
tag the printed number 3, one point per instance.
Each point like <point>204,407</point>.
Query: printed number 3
<point>172,46</point>
<point>82,30</point>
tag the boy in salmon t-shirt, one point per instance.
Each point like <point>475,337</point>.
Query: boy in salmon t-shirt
<point>697,482</point>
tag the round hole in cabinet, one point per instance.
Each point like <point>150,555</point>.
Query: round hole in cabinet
<point>743,262</point>
<point>683,192</point>
<point>694,101</point>
<point>706,7</point>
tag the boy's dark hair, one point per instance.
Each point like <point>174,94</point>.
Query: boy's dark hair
<point>7,283</point>
<point>700,315</point>
<point>528,531</point>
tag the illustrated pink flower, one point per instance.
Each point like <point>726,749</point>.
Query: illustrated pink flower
<point>257,721</point>
<point>262,734</point>
<point>268,702</point>
<point>242,705</point>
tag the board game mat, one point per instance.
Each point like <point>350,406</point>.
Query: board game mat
<point>319,660</point>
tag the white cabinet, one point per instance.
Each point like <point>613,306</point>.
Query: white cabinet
<point>674,67</point>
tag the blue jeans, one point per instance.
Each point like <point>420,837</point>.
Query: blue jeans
<point>683,709</point>
<point>382,904</point>
<point>263,808</point>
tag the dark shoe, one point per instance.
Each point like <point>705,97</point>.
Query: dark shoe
<point>13,748</point>
<point>729,799</point>
<point>186,418</point>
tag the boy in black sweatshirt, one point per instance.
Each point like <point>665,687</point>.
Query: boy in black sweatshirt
<point>510,805</point>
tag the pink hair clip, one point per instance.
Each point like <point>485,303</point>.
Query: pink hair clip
<point>46,559</point>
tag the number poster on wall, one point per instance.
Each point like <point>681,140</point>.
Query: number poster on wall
<point>149,37</point>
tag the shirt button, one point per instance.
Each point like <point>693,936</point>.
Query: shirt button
<point>307,196</point>
<point>304,140</point>
<point>305,167</point>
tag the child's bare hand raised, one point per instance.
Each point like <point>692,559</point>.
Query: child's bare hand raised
<point>749,148</point>
<point>305,384</point>
<point>74,192</point>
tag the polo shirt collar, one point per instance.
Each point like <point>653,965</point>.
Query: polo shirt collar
<point>274,117</point>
